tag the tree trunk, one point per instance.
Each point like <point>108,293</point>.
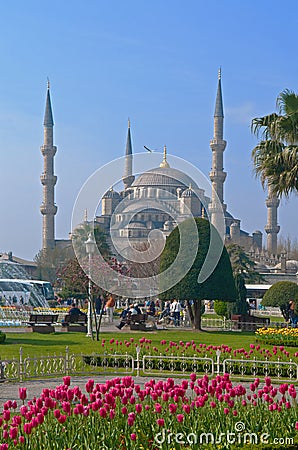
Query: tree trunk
<point>194,311</point>
<point>99,320</point>
<point>197,305</point>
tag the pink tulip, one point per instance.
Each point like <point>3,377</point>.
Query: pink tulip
<point>139,408</point>
<point>160,422</point>
<point>23,393</point>
<point>180,418</point>
<point>57,413</point>
<point>66,381</point>
<point>62,418</point>
<point>158,407</point>
<point>13,432</point>
<point>103,412</point>
<point>124,410</point>
<point>27,427</point>
<point>133,436</point>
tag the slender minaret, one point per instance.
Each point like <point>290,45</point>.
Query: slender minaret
<point>218,145</point>
<point>128,177</point>
<point>272,228</point>
<point>48,180</point>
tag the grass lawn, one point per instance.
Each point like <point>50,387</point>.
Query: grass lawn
<point>34,344</point>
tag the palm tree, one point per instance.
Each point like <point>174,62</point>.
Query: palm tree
<point>80,235</point>
<point>276,156</point>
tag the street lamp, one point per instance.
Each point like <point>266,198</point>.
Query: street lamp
<point>90,249</point>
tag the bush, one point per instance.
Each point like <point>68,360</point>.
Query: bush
<point>221,308</point>
<point>2,337</point>
<point>280,294</point>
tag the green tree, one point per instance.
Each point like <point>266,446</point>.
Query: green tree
<point>276,156</point>
<point>49,261</point>
<point>279,295</point>
<point>242,264</point>
<point>243,271</point>
<point>219,285</point>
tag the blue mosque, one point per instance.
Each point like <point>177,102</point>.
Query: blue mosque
<point>176,190</point>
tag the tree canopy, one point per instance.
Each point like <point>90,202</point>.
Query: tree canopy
<point>279,295</point>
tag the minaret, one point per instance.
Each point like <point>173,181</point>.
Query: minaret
<point>218,145</point>
<point>128,177</point>
<point>48,208</point>
<point>272,228</point>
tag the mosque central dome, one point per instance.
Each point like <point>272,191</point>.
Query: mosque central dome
<point>164,177</point>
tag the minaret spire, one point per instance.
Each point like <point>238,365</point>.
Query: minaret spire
<point>128,177</point>
<point>218,145</point>
<point>48,208</point>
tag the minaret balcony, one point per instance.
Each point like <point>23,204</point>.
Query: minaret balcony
<point>271,229</point>
<point>48,180</point>
<point>217,175</point>
<point>48,209</point>
<point>48,151</point>
<point>218,145</point>
<point>272,202</point>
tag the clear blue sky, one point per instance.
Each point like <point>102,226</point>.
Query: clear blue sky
<point>153,61</point>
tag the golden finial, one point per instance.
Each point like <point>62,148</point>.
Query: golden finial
<point>128,122</point>
<point>48,83</point>
<point>164,162</point>
<point>190,187</point>
<point>219,73</point>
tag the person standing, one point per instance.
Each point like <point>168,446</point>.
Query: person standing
<point>176,310</point>
<point>98,304</point>
<point>110,307</point>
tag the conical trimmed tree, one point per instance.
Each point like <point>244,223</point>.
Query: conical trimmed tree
<point>218,286</point>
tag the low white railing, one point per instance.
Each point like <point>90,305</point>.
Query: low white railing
<point>44,367</point>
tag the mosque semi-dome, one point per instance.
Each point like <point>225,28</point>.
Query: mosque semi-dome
<point>188,193</point>
<point>112,194</point>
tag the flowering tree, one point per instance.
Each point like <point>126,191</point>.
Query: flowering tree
<point>75,282</point>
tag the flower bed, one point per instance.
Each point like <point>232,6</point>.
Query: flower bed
<point>182,348</point>
<point>120,414</point>
<point>280,336</point>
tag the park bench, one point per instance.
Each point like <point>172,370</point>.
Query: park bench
<point>43,323</point>
<point>75,322</point>
<point>138,322</point>
<point>248,323</point>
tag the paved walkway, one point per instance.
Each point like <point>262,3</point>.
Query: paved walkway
<point>10,390</point>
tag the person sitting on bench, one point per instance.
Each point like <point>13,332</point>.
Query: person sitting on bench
<point>75,311</point>
<point>125,316</point>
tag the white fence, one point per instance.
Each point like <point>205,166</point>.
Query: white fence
<point>43,367</point>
